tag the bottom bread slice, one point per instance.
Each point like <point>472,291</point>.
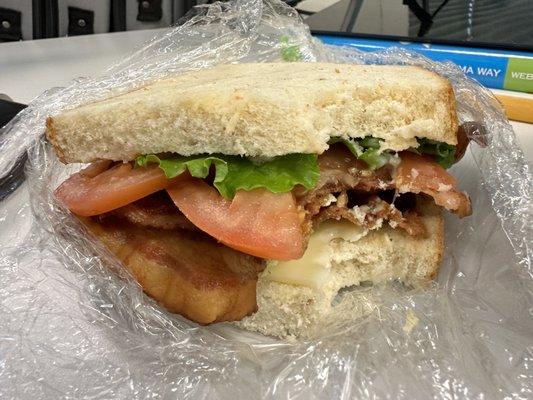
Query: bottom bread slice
<point>291,311</point>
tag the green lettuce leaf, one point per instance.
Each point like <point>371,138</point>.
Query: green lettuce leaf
<point>289,52</point>
<point>370,142</point>
<point>278,175</point>
<point>374,159</point>
<point>353,146</point>
<point>443,153</point>
<point>365,149</point>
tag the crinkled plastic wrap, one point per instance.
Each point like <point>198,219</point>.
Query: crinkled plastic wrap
<point>74,324</point>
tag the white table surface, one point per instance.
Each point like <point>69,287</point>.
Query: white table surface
<point>28,68</point>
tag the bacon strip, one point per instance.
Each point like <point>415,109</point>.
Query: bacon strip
<point>419,174</point>
<point>154,211</point>
<point>339,171</point>
<point>342,173</point>
<point>187,272</point>
<point>373,214</point>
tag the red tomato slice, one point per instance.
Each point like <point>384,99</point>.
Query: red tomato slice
<point>97,189</point>
<point>256,222</point>
<point>422,172</point>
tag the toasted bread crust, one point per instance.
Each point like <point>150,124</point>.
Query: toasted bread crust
<point>452,111</point>
<point>51,135</point>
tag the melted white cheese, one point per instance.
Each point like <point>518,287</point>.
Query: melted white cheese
<point>313,269</point>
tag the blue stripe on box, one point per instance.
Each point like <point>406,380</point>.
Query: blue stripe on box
<point>487,66</point>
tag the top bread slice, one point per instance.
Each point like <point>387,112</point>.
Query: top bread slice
<point>261,109</point>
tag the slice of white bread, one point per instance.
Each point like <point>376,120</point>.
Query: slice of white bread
<point>262,109</point>
<point>290,311</point>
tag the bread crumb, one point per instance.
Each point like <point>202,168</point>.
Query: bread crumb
<point>411,320</point>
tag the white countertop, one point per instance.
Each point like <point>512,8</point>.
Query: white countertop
<point>28,68</point>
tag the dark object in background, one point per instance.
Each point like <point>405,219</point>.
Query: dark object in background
<point>50,15</point>
<point>36,19</point>
<point>80,22</point>
<point>8,110</point>
<point>8,183</point>
<point>149,10</point>
<point>118,15</point>
<point>149,14</point>
<point>483,23</point>
<point>57,18</point>
<point>10,28</point>
<point>83,17</point>
<point>21,20</point>
<point>425,18</point>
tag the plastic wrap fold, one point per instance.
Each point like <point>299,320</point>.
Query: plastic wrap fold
<point>74,324</point>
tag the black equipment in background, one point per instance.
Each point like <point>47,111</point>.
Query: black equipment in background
<point>21,20</point>
<point>10,182</point>
<point>503,24</point>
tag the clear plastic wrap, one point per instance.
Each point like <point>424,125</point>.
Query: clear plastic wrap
<point>74,324</point>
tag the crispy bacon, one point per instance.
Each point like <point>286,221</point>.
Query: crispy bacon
<point>339,171</point>
<point>187,272</point>
<point>420,174</point>
<point>343,176</point>
<point>155,211</point>
<point>373,214</point>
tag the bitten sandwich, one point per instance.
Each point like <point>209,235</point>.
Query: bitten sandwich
<point>260,193</point>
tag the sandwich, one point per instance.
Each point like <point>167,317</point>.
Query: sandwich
<point>260,193</point>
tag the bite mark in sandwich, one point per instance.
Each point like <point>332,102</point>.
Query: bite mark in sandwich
<point>251,161</point>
